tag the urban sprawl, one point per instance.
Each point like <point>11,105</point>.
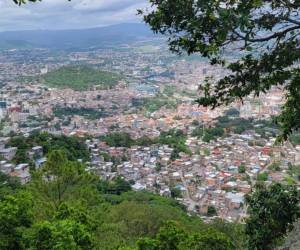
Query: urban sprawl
<point>202,157</point>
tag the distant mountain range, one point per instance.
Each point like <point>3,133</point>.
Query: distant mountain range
<point>72,39</point>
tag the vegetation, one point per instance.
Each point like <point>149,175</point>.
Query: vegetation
<point>208,134</point>
<point>294,171</point>
<point>173,138</point>
<point>64,207</point>
<point>242,169</point>
<point>175,192</point>
<point>262,176</point>
<point>211,211</point>
<point>80,78</point>
<point>295,138</point>
<point>264,41</point>
<point>72,146</point>
<point>88,113</point>
<point>172,237</point>
<point>116,186</point>
<point>118,140</point>
<point>266,227</point>
<point>68,211</point>
<point>176,140</point>
<point>152,104</point>
<point>236,125</point>
<point>275,166</point>
<point>8,185</point>
<point>232,112</point>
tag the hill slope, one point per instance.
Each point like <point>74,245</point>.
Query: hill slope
<point>67,39</point>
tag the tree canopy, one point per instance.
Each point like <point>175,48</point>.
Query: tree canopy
<point>65,207</point>
<point>272,212</point>
<point>19,2</point>
<point>264,35</point>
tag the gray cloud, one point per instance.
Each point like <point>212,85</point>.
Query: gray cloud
<point>61,14</point>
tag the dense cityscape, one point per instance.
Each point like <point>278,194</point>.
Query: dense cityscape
<point>149,125</point>
<point>141,122</point>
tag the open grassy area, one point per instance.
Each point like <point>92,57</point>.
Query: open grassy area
<point>80,78</point>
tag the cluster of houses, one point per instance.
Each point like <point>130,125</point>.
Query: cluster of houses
<point>218,174</point>
<point>22,170</point>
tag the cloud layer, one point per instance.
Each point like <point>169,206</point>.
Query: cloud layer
<point>61,14</point>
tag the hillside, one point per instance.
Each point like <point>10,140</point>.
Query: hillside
<point>14,44</point>
<point>80,78</point>
<point>86,38</point>
<point>75,209</point>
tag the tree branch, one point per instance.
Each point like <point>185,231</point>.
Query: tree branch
<point>268,38</point>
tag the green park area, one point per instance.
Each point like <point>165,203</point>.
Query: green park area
<point>80,78</point>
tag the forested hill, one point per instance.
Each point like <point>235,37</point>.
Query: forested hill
<point>80,78</point>
<point>66,39</point>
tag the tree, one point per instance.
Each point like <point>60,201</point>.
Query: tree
<point>262,176</point>
<point>119,140</point>
<point>61,180</point>
<point>15,216</point>
<point>8,184</point>
<point>209,240</point>
<point>272,212</point>
<point>242,169</point>
<point>63,234</point>
<point>264,33</point>
<point>169,237</point>
<point>19,2</point>
<point>172,237</point>
<point>117,186</point>
<point>232,112</point>
<point>175,192</point>
<point>211,211</point>
<point>235,232</point>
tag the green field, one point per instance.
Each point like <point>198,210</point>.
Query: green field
<point>80,78</point>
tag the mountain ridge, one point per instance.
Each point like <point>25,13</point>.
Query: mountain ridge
<point>80,38</point>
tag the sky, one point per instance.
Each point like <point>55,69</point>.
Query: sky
<point>61,14</point>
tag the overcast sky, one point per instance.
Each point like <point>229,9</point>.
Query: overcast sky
<point>61,14</point>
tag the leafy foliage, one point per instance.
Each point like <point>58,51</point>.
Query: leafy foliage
<point>265,32</point>
<point>63,234</point>
<point>118,140</point>
<point>60,181</point>
<point>8,185</point>
<point>73,147</point>
<point>262,176</point>
<point>272,213</point>
<point>74,209</point>
<point>116,186</point>
<point>173,138</point>
<point>242,169</point>
<point>15,216</point>
<point>172,237</point>
<point>211,211</point>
